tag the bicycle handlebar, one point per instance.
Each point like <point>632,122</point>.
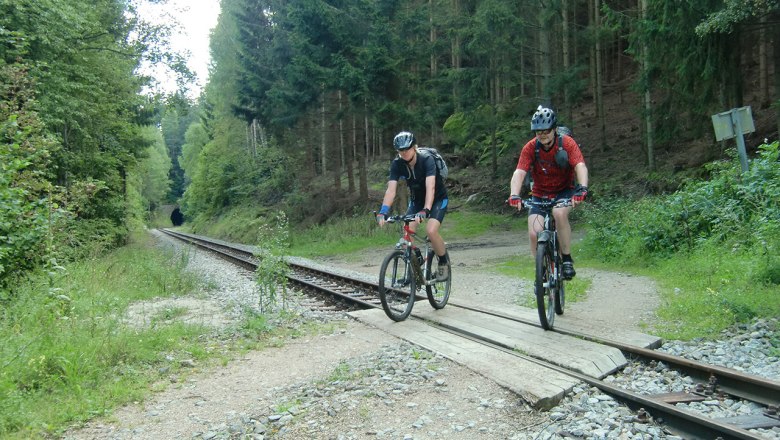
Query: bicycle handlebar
<point>401,218</point>
<point>398,218</point>
<point>545,204</point>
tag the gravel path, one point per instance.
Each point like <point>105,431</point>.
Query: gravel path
<point>360,383</point>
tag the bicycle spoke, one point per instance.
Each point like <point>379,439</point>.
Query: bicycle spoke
<point>544,286</point>
<point>438,291</point>
<point>397,286</point>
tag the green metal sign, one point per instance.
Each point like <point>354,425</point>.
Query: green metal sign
<point>724,123</point>
<point>733,124</point>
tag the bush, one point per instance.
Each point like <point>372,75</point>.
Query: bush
<point>733,209</point>
<point>714,244</point>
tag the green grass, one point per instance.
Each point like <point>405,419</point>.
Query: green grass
<point>705,292</point>
<point>346,235</point>
<point>469,224</point>
<point>343,236</point>
<point>524,267</point>
<point>68,355</point>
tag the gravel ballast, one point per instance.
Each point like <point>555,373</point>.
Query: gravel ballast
<point>360,383</point>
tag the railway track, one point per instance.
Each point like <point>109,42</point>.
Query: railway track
<point>712,382</point>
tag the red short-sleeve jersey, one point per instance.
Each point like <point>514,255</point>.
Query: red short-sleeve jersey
<point>550,179</point>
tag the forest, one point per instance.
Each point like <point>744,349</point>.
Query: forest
<point>304,97</point>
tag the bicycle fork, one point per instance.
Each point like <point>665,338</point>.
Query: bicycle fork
<point>556,263</point>
<point>548,238</point>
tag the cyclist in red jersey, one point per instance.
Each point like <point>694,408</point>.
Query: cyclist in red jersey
<point>554,160</point>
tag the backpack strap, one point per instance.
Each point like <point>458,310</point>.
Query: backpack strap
<point>539,145</point>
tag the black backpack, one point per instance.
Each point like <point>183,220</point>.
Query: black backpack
<point>441,165</point>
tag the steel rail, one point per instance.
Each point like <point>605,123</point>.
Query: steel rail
<point>690,424</point>
<point>686,424</point>
<point>745,386</point>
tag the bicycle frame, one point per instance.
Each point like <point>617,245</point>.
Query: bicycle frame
<point>549,284</point>
<point>548,234</point>
<point>406,243</point>
<point>405,271</point>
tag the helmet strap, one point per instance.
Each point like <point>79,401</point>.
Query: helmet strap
<point>409,162</point>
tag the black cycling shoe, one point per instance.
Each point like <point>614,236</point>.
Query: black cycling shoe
<point>568,271</point>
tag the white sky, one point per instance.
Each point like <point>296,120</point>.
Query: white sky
<point>197,18</point>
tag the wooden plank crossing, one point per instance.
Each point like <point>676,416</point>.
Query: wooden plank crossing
<point>563,324</point>
<point>575,354</point>
<point>516,328</point>
<point>541,387</point>
<point>751,421</point>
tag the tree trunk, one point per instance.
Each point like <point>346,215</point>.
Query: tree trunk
<point>353,153</point>
<point>309,147</point>
<point>734,75</point>
<point>776,57</point>
<point>434,66</point>
<point>648,104</point>
<point>362,169</point>
<point>544,64</point>
<point>323,153</point>
<point>602,120</point>
<point>456,59</point>
<point>522,71</point>
<point>494,145</point>
<point>335,145</point>
<point>592,58</point>
<point>763,79</point>
<point>566,56</point>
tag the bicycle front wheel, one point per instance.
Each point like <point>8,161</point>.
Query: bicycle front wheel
<point>397,286</point>
<point>560,297</point>
<point>544,286</point>
<point>438,291</point>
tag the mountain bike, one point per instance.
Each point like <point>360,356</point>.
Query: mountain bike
<point>549,287</point>
<point>406,271</point>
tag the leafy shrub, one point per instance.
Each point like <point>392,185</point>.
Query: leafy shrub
<point>713,245</point>
<point>24,156</point>
<point>734,209</point>
<point>272,269</point>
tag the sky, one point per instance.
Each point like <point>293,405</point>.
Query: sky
<point>197,18</point>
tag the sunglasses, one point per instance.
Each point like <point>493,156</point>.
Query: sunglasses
<point>548,131</point>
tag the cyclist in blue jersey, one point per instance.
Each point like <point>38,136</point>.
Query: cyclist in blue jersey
<point>427,194</point>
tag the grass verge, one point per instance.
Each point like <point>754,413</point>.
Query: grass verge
<point>525,268</point>
<point>69,354</point>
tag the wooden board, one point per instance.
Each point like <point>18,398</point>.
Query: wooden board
<point>562,323</point>
<point>575,354</point>
<point>541,387</point>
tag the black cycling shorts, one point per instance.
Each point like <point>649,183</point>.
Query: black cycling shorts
<point>565,194</point>
<point>437,211</point>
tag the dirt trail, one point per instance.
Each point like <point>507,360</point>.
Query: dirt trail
<point>214,400</point>
<point>614,298</point>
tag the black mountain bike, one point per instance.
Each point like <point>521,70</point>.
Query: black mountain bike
<point>406,271</point>
<point>549,286</point>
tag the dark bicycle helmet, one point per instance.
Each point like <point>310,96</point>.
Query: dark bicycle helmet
<point>404,141</point>
<point>543,119</point>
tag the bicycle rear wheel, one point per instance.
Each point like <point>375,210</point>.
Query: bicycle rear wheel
<point>397,286</point>
<point>544,286</point>
<point>439,291</point>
